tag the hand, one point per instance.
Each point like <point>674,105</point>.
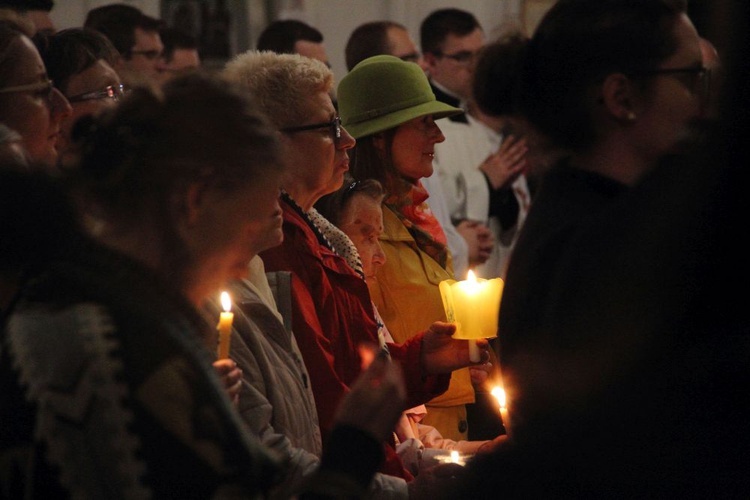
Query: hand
<point>231,377</point>
<point>507,163</point>
<point>376,399</point>
<point>478,239</point>
<point>443,354</point>
<point>433,482</point>
<point>493,444</point>
<point>480,373</point>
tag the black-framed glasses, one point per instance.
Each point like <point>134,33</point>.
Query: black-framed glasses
<point>696,78</point>
<point>114,92</point>
<point>334,126</point>
<point>461,57</point>
<point>151,55</point>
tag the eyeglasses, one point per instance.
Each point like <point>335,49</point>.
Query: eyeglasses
<point>44,88</point>
<point>148,54</point>
<point>462,57</point>
<point>334,126</point>
<point>413,57</point>
<point>698,78</point>
<point>114,92</point>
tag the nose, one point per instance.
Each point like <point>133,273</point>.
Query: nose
<point>439,137</point>
<point>346,141</point>
<point>59,106</point>
<point>378,258</point>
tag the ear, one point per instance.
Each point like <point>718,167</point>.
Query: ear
<point>191,202</point>
<point>619,96</point>
<point>429,60</point>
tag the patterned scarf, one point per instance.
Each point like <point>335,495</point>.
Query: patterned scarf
<point>414,213</point>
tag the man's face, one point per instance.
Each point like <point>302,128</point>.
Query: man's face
<point>402,46</point>
<point>453,67</point>
<point>312,50</point>
<point>144,56</point>
<point>182,61</point>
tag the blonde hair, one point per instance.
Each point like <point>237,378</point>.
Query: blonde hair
<point>279,83</point>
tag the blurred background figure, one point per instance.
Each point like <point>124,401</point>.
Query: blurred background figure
<point>290,36</point>
<point>35,11</point>
<point>29,102</point>
<point>136,37</point>
<point>381,37</point>
<point>180,54</point>
<point>80,62</point>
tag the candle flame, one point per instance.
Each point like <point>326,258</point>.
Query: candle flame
<point>499,394</point>
<point>470,277</point>
<point>226,301</point>
<point>454,457</point>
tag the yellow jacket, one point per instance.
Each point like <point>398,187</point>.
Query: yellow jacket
<point>407,296</point>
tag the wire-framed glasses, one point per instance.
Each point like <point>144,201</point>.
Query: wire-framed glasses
<point>114,92</point>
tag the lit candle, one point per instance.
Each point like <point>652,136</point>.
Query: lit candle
<point>499,394</point>
<point>473,305</point>
<point>225,326</point>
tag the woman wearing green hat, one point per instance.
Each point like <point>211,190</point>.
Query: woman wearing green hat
<point>388,106</point>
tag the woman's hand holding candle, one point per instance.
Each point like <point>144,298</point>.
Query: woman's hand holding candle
<point>231,377</point>
<point>441,353</point>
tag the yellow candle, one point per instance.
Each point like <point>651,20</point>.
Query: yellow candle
<point>473,305</point>
<point>225,326</point>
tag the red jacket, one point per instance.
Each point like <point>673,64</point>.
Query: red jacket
<point>331,315</point>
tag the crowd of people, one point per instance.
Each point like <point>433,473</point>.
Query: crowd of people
<point>593,165</point>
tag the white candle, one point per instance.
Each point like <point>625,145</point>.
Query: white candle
<point>225,326</point>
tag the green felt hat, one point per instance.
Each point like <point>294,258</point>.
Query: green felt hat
<point>382,92</point>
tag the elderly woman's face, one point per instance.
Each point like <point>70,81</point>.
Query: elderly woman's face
<point>413,147</point>
<point>317,159</point>
<point>36,113</point>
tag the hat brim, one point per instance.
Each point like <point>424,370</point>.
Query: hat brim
<point>372,126</point>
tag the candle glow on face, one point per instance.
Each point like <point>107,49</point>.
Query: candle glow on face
<point>225,326</point>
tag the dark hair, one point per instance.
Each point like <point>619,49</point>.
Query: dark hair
<point>26,5</point>
<point>200,128</point>
<point>333,205</point>
<point>368,162</point>
<point>118,23</point>
<point>71,51</point>
<point>136,156</point>
<point>495,86</point>
<point>280,36</point>
<point>577,44</point>
<point>439,24</point>
<point>174,39</point>
<point>368,39</point>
